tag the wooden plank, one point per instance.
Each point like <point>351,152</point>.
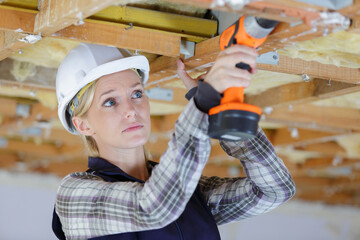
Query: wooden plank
<point>331,199</point>
<point>56,15</point>
<point>316,163</point>
<point>9,43</point>
<point>163,69</point>
<point>352,11</point>
<point>61,169</point>
<point>27,4</point>
<point>327,149</point>
<point>282,137</point>
<point>31,148</point>
<point>37,112</point>
<point>191,28</point>
<point>8,160</point>
<point>44,79</point>
<point>15,124</point>
<point>292,12</point>
<point>301,92</point>
<point>8,107</point>
<point>107,33</point>
<point>315,117</point>
<point>115,34</point>
<point>16,18</point>
<point>313,69</point>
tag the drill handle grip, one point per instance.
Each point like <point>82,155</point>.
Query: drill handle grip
<point>235,94</point>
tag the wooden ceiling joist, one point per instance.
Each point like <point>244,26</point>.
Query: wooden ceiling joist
<point>282,137</point>
<point>301,92</point>
<point>101,32</point>
<point>122,36</point>
<point>56,15</point>
<point>313,69</point>
<point>292,11</point>
<point>327,149</point>
<point>315,117</point>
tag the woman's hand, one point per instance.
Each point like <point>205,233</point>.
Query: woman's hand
<point>224,74</point>
<point>188,81</point>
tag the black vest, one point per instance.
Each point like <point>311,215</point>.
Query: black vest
<point>195,223</point>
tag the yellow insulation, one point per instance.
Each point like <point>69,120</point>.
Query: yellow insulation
<point>341,49</point>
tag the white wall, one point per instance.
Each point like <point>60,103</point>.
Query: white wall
<point>26,205</point>
<point>298,220</point>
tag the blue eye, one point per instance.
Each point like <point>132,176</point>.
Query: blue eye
<point>138,94</point>
<point>109,102</point>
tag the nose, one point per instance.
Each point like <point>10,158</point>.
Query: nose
<point>129,109</point>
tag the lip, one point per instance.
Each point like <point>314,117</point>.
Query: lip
<point>133,127</point>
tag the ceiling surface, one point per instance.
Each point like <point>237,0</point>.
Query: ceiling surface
<point>310,99</point>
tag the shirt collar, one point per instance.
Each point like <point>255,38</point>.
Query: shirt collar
<point>101,165</point>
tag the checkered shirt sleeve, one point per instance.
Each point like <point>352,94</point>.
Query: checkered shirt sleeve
<point>90,207</point>
<point>267,183</point>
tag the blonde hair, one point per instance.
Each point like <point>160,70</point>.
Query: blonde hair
<point>84,105</point>
<point>81,111</point>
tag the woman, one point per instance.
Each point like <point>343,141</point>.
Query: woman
<point>124,196</point>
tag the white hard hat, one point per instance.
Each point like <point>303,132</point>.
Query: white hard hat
<point>87,63</point>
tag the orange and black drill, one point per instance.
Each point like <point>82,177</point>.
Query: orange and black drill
<point>233,119</point>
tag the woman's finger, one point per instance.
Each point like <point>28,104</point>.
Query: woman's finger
<point>231,60</point>
<point>240,49</point>
<point>188,81</point>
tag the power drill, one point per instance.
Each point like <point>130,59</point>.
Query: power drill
<point>233,119</point>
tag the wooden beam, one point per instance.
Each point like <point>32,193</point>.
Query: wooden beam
<point>37,112</point>
<point>13,19</point>
<point>315,117</point>
<point>107,33</point>
<point>31,148</point>
<point>272,9</point>
<point>313,69</point>
<point>282,137</point>
<point>327,149</point>
<point>8,160</point>
<point>8,107</point>
<point>352,11</point>
<point>191,28</point>
<point>61,169</point>
<point>56,15</point>
<point>163,69</point>
<point>301,92</point>
<point>115,34</point>
<point>44,79</point>
<point>63,136</point>
<point>9,43</point>
<point>316,163</point>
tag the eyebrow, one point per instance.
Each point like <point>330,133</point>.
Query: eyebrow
<point>107,92</point>
<point>111,90</point>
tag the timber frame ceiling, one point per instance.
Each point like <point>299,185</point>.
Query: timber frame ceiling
<point>32,141</point>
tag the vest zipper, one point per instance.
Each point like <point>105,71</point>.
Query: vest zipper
<point>179,230</point>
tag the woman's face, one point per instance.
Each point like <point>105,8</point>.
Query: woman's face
<point>119,115</point>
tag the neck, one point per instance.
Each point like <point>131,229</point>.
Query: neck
<point>132,161</point>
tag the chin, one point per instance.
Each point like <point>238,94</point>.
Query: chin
<point>136,141</point>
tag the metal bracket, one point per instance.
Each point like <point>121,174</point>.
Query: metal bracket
<point>187,48</point>
<point>22,110</point>
<point>268,58</point>
<point>160,94</point>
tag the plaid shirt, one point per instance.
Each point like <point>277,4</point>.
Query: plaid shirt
<point>89,206</point>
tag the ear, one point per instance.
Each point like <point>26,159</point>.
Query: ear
<point>83,126</point>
